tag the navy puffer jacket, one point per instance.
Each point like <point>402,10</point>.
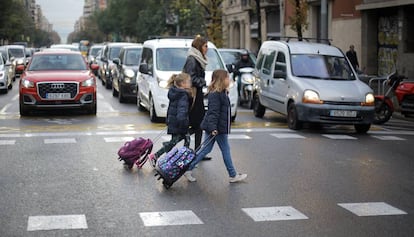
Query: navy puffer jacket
<point>218,114</point>
<point>177,113</point>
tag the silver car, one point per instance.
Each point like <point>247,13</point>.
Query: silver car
<point>6,82</point>
<point>311,82</point>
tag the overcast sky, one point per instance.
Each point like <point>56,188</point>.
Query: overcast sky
<point>62,14</point>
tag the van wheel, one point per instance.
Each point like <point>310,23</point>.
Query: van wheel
<point>292,118</point>
<point>258,109</point>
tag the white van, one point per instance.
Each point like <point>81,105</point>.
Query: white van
<point>311,82</point>
<point>159,60</point>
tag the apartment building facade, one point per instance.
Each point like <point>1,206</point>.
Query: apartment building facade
<point>380,30</point>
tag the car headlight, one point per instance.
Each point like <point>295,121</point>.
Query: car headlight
<point>20,61</point>
<point>27,83</point>
<point>88,82</point>
<point>369,100</point>
<point>311,97</point>
<point>162,83</point>
<point>129,75</point>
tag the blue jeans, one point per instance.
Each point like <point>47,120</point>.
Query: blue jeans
<point>223,142</point>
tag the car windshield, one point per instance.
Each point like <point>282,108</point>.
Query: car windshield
<point>321,67</point>
<point>17,53</point>
<point>94,51</point>
<point>173,59</point>
<point>230,57</point>
<point>132,57</point>
<point>114,52</point>
<point>57,62</point>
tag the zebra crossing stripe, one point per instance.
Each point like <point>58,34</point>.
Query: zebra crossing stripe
<point>62,222</point>
<point>389,138</point>
<point>339,137</point>
<point>286,135</point>
<point>7,142</point>
<point>274,213</point>
<point>59,140</point>
<point>372,209</point>
<point>185,217</point>
<point>118,139</point>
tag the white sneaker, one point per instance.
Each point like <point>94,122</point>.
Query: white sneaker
<point>189,176</point>
<point>238,178</point>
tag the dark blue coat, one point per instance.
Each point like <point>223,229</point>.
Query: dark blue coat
<point>218,114</point>
<point>177,113</point>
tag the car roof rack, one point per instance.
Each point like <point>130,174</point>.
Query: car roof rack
<point>307,39</point>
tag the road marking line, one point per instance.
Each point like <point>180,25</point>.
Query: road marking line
<point>339,137</point>
<point>238,136</point>
<point>7,142</point>
<point>274,213</point>
<point>185,217</point>
<point>3,110</point>
<point>372,209</point>
<point>389,138</point>
<point>118,139</point>
<point>286,135</point>
<point>62,222</point>
<point>59,140</point>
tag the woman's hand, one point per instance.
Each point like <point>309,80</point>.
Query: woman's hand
<point>214,132</point>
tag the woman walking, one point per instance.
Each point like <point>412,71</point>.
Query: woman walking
<point>216,124</point>
<point>195,66</point>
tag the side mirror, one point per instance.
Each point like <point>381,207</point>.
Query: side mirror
<point>117,61</point>
<point>143,68</point>
<point>230,67</point>
<point>279,74</point>
<point>94,66</point>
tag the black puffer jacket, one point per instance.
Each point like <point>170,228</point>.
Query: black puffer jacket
<point>177,113</point>
<point>218,114</point>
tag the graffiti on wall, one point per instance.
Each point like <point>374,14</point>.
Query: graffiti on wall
<point>387,44</point>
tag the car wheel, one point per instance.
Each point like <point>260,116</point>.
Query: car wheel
<point>23,110</point>
<point>383,112</point>
<point>292,117</point>
<point>258,109</point>
<point>153,114</point>
<point>362,128</point>
<point>108,85</point>
<point>121,98</point>
<point>92,109</point>
<point>115,93</point>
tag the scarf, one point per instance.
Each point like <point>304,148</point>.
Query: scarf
<point>198,56</point>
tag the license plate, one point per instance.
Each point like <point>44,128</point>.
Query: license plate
<point>58,96</point>
<point>343,113</point>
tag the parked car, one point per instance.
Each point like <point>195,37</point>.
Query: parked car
<point>311,82</point>
<point>57,79</point>
<point>124,73</point>
<point>6,83</point>
<point>4,50</point>
<point>108,53</point>
<point>160,59</point>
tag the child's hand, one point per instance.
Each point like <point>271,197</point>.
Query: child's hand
<point>214,132</point>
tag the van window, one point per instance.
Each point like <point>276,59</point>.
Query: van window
<point>268,62</point>
<point>280,62</point>
<point>259,62</point>
<point>147,58</point>
<point>171,59</point>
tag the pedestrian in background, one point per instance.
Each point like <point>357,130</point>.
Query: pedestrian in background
<point>352,56</point>
<point>177,113</point>
<point>195,66</point>
<point>216,124</point>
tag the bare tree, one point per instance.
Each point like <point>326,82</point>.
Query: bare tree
<point>298,20</point>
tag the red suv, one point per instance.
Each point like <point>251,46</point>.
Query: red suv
<point>57,79</point>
